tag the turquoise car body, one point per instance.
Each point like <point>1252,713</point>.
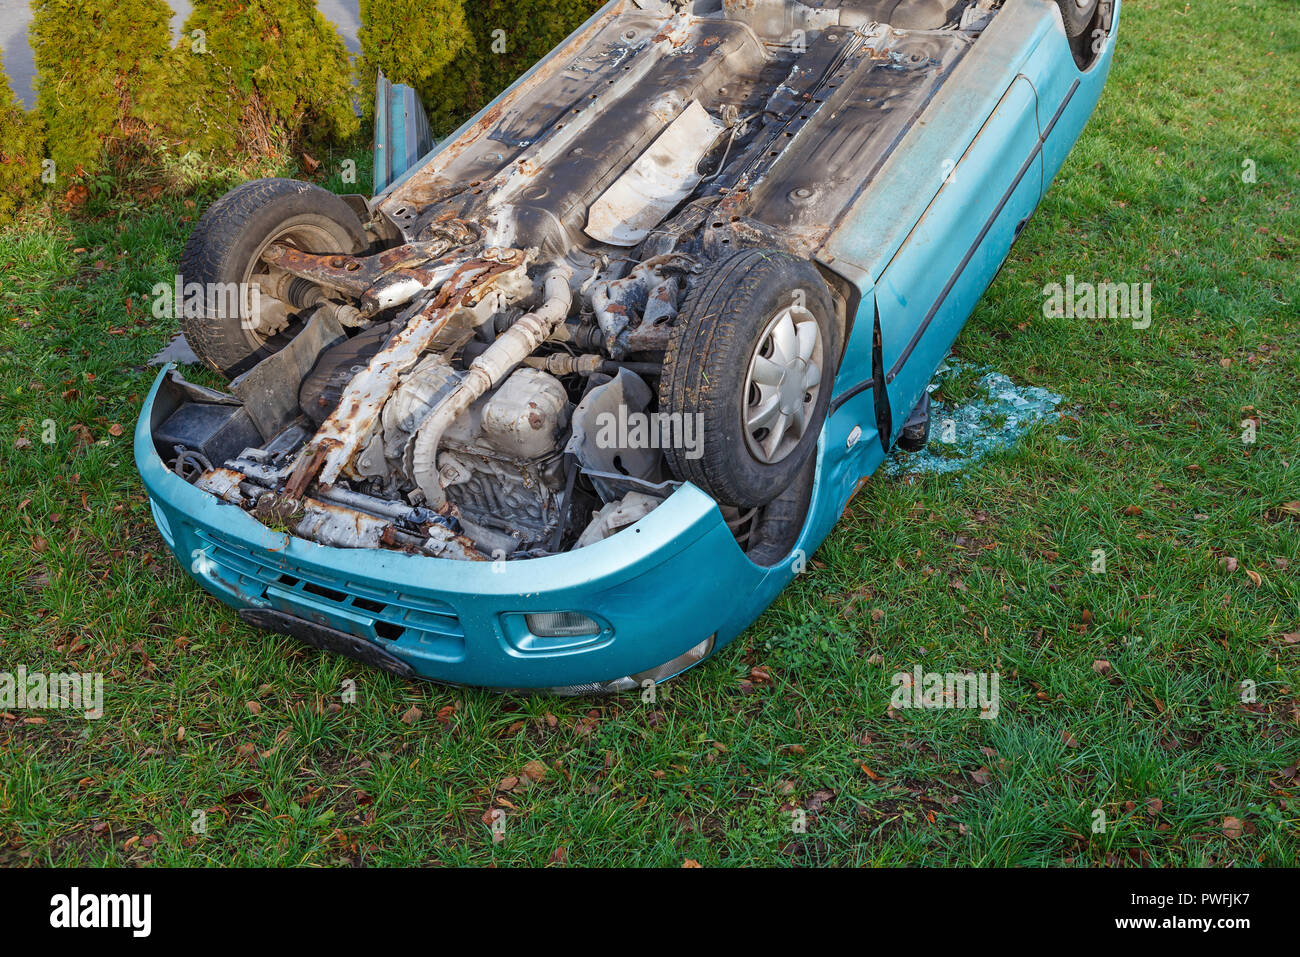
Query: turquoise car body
<point>918,248</point>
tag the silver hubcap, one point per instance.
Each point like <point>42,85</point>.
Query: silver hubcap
<point>781,387</point>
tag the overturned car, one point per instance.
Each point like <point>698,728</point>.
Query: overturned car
<point>576,394</point>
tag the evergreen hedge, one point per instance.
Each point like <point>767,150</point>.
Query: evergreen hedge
<point>512,35</point>
<point>261,77</point>
<point>250,78</point>
<point>415,42</point>
<point>100,64</point>
<point>22,146</point>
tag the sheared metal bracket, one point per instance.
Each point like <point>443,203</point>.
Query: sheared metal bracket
<point>270,389</point>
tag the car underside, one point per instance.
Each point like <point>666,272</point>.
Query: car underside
<point>611,283</point>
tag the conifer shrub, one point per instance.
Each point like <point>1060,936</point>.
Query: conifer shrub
<point>512,35</point>
<point>415,42</point>
<point>260,78</point>
<point>22,147</point>
<point>100,64</point>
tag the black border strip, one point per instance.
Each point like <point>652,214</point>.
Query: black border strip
<point>849,394</point>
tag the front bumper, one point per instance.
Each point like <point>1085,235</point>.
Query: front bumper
<point>658,589</point>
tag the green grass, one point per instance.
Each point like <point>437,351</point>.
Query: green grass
<point>985,571</point>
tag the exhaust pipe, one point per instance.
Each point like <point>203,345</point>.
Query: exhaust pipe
<point>510,348</point>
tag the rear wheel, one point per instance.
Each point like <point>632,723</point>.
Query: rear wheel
<point>233,333</point>
<point>752,354</point>
<point>1077,14</point>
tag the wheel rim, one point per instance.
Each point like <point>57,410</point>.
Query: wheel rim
<point>273,315</point>
<point>782,385</point>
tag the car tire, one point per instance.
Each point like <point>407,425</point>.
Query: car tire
<point>736,353</point>
<point>225,248</point>
<point>778,525</point>
<point>1077,14</point>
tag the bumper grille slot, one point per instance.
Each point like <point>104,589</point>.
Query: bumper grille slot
<point>425,626</point>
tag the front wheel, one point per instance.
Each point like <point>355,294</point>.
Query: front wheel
<point>230,324</point>
<point>751,359</point>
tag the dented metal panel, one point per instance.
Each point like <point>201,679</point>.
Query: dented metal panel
<point>662,176</point>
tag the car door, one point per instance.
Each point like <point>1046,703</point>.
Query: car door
<point>930,286</point>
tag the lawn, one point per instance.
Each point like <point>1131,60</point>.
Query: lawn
<point>1163,692</point>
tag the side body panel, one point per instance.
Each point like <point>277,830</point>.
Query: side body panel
<point>930,287</point>
<point>928,235</point>
<point>402,132</point>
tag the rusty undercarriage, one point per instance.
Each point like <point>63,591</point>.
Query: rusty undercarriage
<point>439,388</point>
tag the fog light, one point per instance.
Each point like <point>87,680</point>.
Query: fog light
<point>560,624</point>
